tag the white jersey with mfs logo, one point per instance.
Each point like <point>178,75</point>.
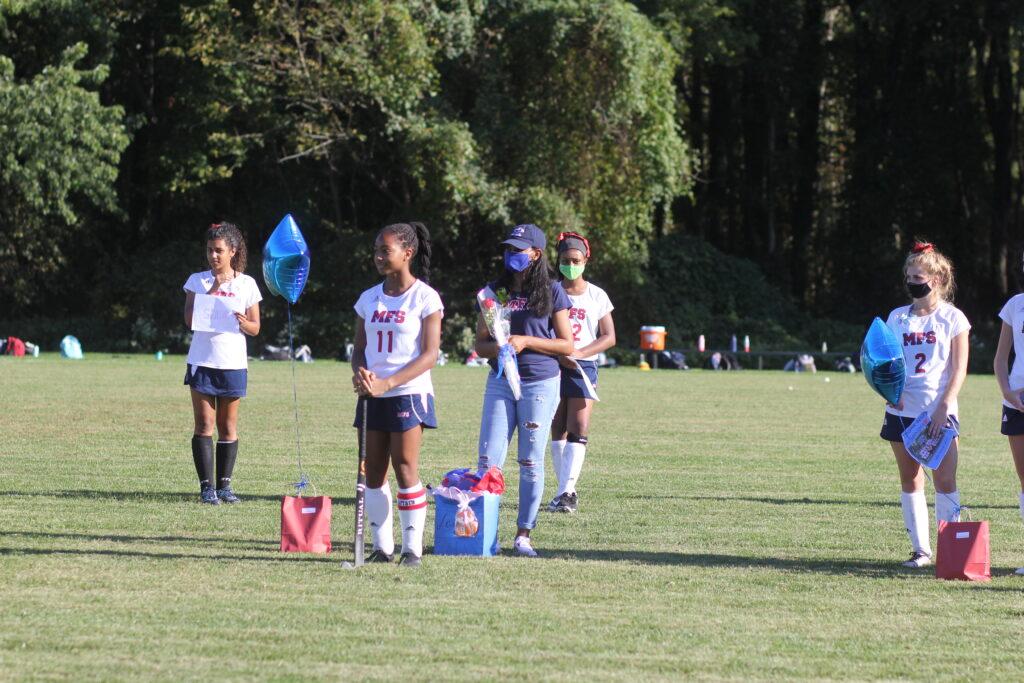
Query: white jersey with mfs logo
<point>927,342</point>
<point>394,331</point>
<point>222,350</point>
<point>587,310</point>
<point>1013,315</point>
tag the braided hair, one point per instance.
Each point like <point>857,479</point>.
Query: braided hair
<point>413,235</point>
<point>232,237</point>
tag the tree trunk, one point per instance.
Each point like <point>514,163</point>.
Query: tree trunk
<point>999,94</point>
<point>808,114</point>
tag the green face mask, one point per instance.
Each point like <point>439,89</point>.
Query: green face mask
<point>571,272</point>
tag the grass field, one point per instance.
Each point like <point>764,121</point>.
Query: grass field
<point>729,528</point>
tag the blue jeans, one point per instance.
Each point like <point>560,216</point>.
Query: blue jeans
<point>532,415</point>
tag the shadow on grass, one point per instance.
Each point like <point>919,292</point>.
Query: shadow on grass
<point>338,556</point>
<point>714,560</point>
<point>122,538</point>
<point>146,496</point>
<point>805,501</point>
<point>701,560</point>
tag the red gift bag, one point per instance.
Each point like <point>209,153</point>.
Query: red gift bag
<point>305,524</point>
<point>963,551</point>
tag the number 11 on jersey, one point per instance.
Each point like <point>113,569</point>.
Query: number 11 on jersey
<point>380,341</point>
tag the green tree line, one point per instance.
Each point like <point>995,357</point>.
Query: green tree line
<point>783,153</point>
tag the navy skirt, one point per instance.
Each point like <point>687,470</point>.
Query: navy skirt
<point>572,381</point>
<point>1013,422</point>
<point>397,413</point>
<point>215,382</point>
<point>894,425</point>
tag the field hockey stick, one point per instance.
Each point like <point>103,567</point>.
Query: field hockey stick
<point>359,544</point>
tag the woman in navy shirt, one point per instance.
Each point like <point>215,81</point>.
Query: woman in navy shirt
<point>540,332</point>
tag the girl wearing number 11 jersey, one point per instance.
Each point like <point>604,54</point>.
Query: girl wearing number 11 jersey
<point>398,337</point>
<point>933,333</point>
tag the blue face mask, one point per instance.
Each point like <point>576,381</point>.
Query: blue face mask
<point>517,261</point>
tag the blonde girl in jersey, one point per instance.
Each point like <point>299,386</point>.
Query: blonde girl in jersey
<point>934,334</point>
<point>593,331</point>
<point>398,337</point>
<point>1011,384</point>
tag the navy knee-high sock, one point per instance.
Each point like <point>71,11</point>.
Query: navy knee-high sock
<point>202,456</point>
<point>227,451</point>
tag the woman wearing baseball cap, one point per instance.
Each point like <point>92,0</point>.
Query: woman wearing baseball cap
<point>539,333</point>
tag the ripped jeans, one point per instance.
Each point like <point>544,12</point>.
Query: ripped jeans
<point>532,415</point>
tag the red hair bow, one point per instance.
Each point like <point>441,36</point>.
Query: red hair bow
<point>563,235</point>
<point>922,247</point>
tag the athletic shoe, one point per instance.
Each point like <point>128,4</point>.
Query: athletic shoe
<point>918,560</point>
<point>209,496</point>
<point>569,502</point>
<point>523,547</point>
<point>1020,572</point>
<point>409,560</point>
<point>227,495</point>
<point>379,555</point>
<point>553,505</point>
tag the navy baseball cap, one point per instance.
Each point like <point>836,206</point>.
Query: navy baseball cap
<point>525,236</point>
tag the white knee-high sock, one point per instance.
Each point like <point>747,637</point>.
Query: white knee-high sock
<point>557,451</point>
<point>572,464</point>
<point>915,517</point>
<point>947,507</point>
<point>378,512</point>
<point>1021,499</point>
<point>412,514</point>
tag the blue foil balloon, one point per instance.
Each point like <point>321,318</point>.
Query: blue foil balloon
<point>881,360</point>
<point>286,260</point>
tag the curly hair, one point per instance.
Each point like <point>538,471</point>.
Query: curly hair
<point>232,237</point>
<point>536,283</point>
<point>413,235</point>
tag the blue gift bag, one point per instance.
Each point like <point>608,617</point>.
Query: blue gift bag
<point>484,542</point>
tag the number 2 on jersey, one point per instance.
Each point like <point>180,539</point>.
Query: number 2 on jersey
<point>380,341</point>
<point>576,327</point>
<point>918,369</point>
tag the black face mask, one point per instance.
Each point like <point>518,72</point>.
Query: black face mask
<point>918,290</point>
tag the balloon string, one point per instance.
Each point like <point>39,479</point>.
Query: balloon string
<point>303,480</point>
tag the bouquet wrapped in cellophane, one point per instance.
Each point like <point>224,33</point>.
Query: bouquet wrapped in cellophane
<point>498,319</point>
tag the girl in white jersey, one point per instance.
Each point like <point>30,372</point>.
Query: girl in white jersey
<point>593,331</point>
<point>398,337</point>
<point>1011,383</point>
<point>934,337</point>
<point>217,370</point>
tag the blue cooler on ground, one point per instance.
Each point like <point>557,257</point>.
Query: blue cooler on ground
<point>484,542</point>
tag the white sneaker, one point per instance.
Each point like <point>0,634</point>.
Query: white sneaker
<point>918,560</point>
<point>523,547</point>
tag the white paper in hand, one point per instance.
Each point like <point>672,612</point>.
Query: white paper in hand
<point>591,391</point>
<point>215,313</point>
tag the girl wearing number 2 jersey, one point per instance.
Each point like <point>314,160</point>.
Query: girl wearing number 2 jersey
<point>933,333</point>
<point>398,337</point>
<point>593,331</point>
